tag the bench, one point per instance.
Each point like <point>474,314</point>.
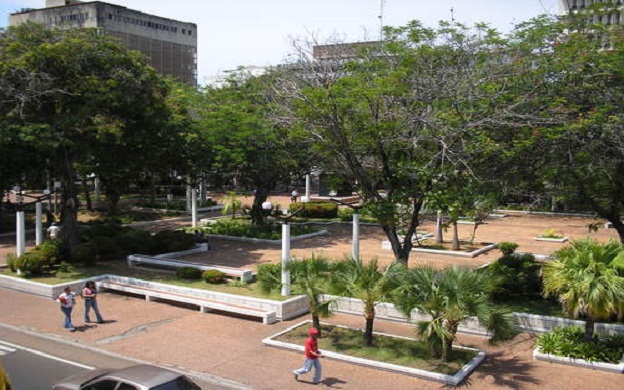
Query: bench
<point>245,275</point>
<point>205,305</point>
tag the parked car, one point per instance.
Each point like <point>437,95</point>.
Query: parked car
<point>139,377</point>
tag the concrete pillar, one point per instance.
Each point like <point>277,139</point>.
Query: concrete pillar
<point>285,259</point>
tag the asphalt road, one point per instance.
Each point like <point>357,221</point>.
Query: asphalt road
<point>36,362</point>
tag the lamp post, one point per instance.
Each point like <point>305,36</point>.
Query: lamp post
<point>20,231</point>
<point>285,247</point>
<point>356,207</point>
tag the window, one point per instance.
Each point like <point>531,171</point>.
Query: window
<point>180,383</point>
<point>105,384</point>
<point>126,386</point>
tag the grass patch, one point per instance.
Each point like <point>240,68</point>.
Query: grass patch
<point>387,349</point>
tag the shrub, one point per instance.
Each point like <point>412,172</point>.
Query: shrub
<point>32,263</point>
<point>51,250</point>
<point>507,248</point>
<point>106,247</point>
<point>11,260</point>
<point>519,274</point>
<point>85,253</point>
<point>135,241</point>
<point>172,241</point>
<point>242,228</point>
<point>188,273</point>
<point>213,276</point>
<point>315,209</point>
<point>569,342</point>
<point>269,277</point>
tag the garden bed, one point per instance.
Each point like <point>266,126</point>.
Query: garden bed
<point>390,353</point>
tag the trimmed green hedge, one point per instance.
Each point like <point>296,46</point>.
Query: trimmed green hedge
<point>315,209</point>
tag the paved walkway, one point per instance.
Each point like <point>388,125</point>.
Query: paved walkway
<point>231,348</point>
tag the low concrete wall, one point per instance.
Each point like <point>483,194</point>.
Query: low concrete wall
<point>199,248</point>
<point>539,355</point>
<point>44,290</point>
<point>532,323</point>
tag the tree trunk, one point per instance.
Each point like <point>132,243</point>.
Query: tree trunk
<point>368,332</point>
<point>87,194</point>
<point>447,349</point>
<point>258,215</point>
<point>316,322</point>
<point>455,245</point>
<point>439,227</point>
<point>69,203</point>
<point>589,329</point>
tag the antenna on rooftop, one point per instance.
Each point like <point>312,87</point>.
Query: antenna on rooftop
<point>381,13</point>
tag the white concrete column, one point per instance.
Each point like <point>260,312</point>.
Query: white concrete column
<point>194,207</point>
<point>356,236</point>
<point>38,226</point>
<point>96,190</point>
<point>20,233</point>
<point>188,197</point>
<point>285,259</point>
<point>307,190</point>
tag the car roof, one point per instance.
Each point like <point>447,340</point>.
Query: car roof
<point>144,374</point>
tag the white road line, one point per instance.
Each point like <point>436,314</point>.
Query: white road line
<point>45,355</point>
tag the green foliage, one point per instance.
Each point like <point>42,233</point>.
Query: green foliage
<point>243,228</point>
<point>552,233</point>
<point>586,281</point>
<point>269,277</point>
<point>134,240</point>
<point>106,247</point>
<point>172,241</point>
<point>519,275</point>
<point>85,253</point>
<point>507,248</point>
<point>64,267</point>
<point>213,276</point>
<point>188,273</point>
<point>38,260</point>
<point>322,210</point>
<point>11,260</point>
<point>570,342</point>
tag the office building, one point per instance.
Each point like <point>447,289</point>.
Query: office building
<point>170,45</point>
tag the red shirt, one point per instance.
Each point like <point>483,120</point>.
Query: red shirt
<point>311,345</point>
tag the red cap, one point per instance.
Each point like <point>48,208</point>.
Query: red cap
<point>313,331</point>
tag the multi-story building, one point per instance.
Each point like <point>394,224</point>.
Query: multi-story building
<point>606,12</point>
<point>171,45</point>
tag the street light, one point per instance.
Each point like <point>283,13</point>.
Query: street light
<point>285,246</point>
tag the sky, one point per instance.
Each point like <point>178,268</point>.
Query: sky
<point>233,33</point>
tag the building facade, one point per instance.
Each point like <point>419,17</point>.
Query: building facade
<point>170,45</point>
<point>606,12</point>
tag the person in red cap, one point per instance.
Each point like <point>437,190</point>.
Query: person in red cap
<point>312,355</point>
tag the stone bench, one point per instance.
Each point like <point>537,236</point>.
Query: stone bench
<point>204,304</point>
<point>245,275</point>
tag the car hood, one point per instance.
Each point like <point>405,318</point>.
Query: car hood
<point>75,381</point>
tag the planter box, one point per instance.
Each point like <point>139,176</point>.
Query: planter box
<point>386,245</point>
<point>551,239</point>
<point>539,355</point>
<point>453,380</point>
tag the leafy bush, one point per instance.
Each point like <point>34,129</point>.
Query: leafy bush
<point>552,233</point>
<point>269,277</point>
<point>188,273</point>
<point>85,253</point>
<point>243,228</point>
<point>569,342</point>
<point>106,247</point>
<point>11,260</point>
<point>32,263</point>
<point>135,241</point>
<point>172,241</point>
<point>519,274</point>
<point>315,209</point>
<point>507,248</point>
<point>213,276</point>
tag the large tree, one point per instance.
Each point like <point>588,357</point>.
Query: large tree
<point>81,100</point>
<point>394,116</point>
<point>247,147</point>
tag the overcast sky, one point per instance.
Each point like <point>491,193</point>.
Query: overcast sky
<point>259,32</point>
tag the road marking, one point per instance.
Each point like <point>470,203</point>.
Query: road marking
<point>42,354</point>
<point>5,349</point>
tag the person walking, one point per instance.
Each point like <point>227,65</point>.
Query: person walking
<point>312,355</point>
<point>53,231</point>
<point>67,299</point>
<point>294,195</point>
<point>89,294</point>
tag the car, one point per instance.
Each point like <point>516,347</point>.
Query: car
<point>137,377</point>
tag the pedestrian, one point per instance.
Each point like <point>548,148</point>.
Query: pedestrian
<point>53,231</point>
<point>67,299</point>
<point>89,294</point>
<point>294,195</point>
<point>312,355</point>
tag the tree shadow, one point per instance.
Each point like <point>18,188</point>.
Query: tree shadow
<point>504,372</point>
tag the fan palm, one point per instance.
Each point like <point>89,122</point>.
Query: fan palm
<point>450,297</point>
<point>364,281</point>
<point>587,280</point>
<point>311,278</point>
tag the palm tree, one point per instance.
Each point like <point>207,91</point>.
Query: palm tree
<point>587,280</point>
<point>450,297</point>
<point>310,277</point>
<point>353,278</point>
<point>232,204</point>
